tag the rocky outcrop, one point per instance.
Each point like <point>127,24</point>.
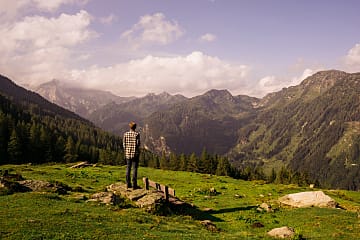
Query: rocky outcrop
<point>107,198</point>
<point>308,199</point>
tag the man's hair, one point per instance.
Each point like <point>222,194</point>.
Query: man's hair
<point>132,125</point>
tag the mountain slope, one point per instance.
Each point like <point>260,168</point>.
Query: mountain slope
<point>79,100</point>
<point>207,121</point>
<point>304,126</point>
<point>23,96</point>
<point>115,117</point>
<point>35,130</point>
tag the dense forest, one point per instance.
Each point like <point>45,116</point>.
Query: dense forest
<point>38,138</point>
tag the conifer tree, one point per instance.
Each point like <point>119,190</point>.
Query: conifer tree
<point>183,162</point>
<point>14,148</point>
<point>192,165</point>
<point>4,138</point>
<point>70,151</point>
<point>223,167</point>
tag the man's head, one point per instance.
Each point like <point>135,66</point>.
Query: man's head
<point>132,125</point>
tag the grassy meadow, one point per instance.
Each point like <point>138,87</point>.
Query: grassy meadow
<point>34,215</point>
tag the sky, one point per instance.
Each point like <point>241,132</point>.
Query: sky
<point>136,47</point>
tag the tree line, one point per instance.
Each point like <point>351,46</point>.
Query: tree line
<point>27,137</point>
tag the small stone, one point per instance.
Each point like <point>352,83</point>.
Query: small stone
<point>209,225</point>
<point>266,207</point>
<point>257,225</point>
<point>207,209</point>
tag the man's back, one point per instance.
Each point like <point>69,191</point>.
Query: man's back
<point>131,143</point>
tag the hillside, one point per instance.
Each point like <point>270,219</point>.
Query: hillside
<point>115,117</point>
<point>31,99</point>
<point>305,127</point>
<point>82,101</point>
<point>207,121</point>
<point>37,131</point>
<point>232,208</point>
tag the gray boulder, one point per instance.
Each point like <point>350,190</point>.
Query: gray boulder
<point>282,232</point>
<point>308,199</point>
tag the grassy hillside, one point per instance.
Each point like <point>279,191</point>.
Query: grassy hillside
<point>51,216</point>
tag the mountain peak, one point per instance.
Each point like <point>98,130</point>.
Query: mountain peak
<point>219,96</point>
<point>324,78</point>
<point>218,93</point>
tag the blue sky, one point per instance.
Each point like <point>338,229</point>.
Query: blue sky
<point>135,47</point>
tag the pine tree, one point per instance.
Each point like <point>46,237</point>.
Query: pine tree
<point>14,148</point>
<point>45,142</point>
<point>164,161</point>
<point>192,165</point>
<point>35,144</point>
<point>272,176</point>
<point>4,138</point>
<point>174,163</point>
<point>223,168</point>
<point>59,150</point>
<point>70,151</point>
<point>183,162</point>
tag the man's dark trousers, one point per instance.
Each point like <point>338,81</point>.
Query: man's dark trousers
<point>132,162</point>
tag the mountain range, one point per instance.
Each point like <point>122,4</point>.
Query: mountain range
<point>78,100</point>
<point>313,127</point>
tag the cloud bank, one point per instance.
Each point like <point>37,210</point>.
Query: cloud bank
<point>38,48</point>
<point>189,75</point>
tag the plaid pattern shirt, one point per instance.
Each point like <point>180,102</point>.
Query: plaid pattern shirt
<point>131,143</point>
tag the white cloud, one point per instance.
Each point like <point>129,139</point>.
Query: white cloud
<point>273,83</point>
<point>208,37</point>
<point>153,29</point>
<point>10,9</point>
<point>268,84</point>
<point>352,59</point>
<point>109,19</point>
<point>38,48</point>
<point>55,4</point>
<point>307,73</point>
<point>189,75</point>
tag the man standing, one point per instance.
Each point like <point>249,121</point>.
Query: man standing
<point>131,143</point>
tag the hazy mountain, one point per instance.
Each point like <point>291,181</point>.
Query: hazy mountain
<point>34,130</point>
<point>313,127</point>
<point>207,121</point>
<point>79,100</point>
<point>115,117</point>
<point>32,100</point>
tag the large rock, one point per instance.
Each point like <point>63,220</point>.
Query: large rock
<point>106,198</point>
<point>282,232</point>
<point>43,186</point>
<point>308,199</point>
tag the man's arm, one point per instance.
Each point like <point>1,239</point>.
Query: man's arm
<point>138,140</point>
<point>124,141</point>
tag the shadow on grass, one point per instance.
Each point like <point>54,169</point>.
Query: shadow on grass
<point>236,209</point>
<point>194,212</point>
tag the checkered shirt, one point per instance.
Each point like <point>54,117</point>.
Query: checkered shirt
<point>131,143</point>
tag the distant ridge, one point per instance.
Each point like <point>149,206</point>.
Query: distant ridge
<point>21,95</point>
<point>82,101</point>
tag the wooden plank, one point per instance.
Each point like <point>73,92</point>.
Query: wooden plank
<point>165,189</point>
<point>146,183</point>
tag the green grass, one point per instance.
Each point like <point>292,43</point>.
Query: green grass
<point>51,216</point>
